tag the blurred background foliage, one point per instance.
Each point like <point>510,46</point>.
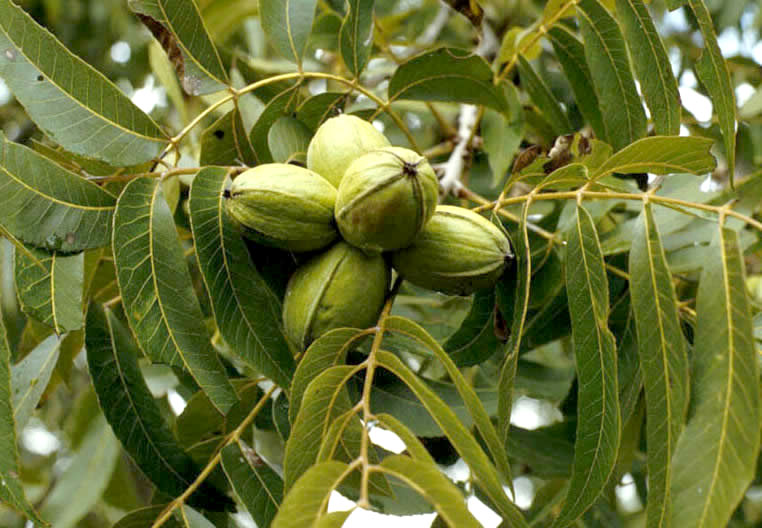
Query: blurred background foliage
<point>106,34</point>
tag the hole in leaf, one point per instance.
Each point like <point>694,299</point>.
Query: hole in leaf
<point>219,134</point>
<point>40,78</point>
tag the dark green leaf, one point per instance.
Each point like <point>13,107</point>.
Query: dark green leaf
<point>712,71</point>
<point>247,311</point>
<point>543,98</point>
<point>80,487</point>
<point>279,106</point>
<point>571,54</point>
<point>225,142</point>
<point>49,207</point>
<point>447,74</point>
<point>661,155</point>
<point>72,102</point>
<point>131,410</point>
<point>258,487</point>
<point>11,492</point>
<point>287,24</point>
<point>598,415</point>
<point>625,119</point>
<point>307,501</point>
<point>438,490</point>
<point>157,293</point>
<point>145,517</point>
<point>715,454</point>
<point>313,111</point>
<point>548,451</point>
<point>30,377</point>
<point>356,35</point>
<point>663,360</point>
<point>475,340</point>
<point>52,296</point>
<point>651,65</point>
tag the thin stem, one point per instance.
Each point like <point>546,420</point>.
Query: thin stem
<point>370,363</point>
<point>234,436</point>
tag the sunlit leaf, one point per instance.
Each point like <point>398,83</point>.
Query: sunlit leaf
<point>599,420</point>
<point>356,35</point>
<point>715,456</point>
<point>72,102</point>
<point>52,296</point>
<point>435,487</point>
<point>49,207</point>
<point>288,139</point>
<point>247,311</point>
<point>157,292</point>
<point>307,501</point>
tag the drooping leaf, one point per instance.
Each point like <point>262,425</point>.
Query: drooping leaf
<point>606,53</point>
<point>72,102</point>
<point>502,134</point>
<point>548,451</point>
<point>663,360</point>
<point>132,412</point>
<point>157,292</point>
<point>475,340</point>
<point>52,296</point>
<point>225,142</point>
<point>519,291</point>
<point>80,487</point>
<point>435,487</point>
<point>471,401</point>
<point>485,474</point>
<point>543,98</point>
<point>356,35</point>
<point>49,207</point>
<point>447,74</point>
<point>288,25</point>
<point>11,492</point>
<point>258,487</point>
<point>247,311</point>
<point>30,377</point>
<point>306,502</point>
<point>571,55</point>
<point>316,109</point>
<point>712,71</point>
<point>179,29</point>
<point>413,445</point>
<point>661,155</point>
<point>716,453</point>
<point>598,416</point>
<point>324,400</point>
<point>328,350</point>
<point>651,63</point>
<point>145,517</point>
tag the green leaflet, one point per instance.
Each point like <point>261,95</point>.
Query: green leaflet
<point>11,492</point>
<point>715,455</point>
<point>247,311</point>
<point>225,142</point>
<point>543,98</point>
<point>132,412</point>
<point>53,296</point>
<point>475,340</point>
<point>447,74</point>
<point>306,502</point>
<point>157,292</point>
<point>258,487</point>
<point>598,417</point>
<point>356,35</point>
<point>651,63</point>
<point>49,207</point>
<point>712,70</point>
<point>663,360</point>
<point>30,377</point>
<point>623,116</point>
<point>72,102</point>
<point>288,24</point>
<point>428,480</point>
